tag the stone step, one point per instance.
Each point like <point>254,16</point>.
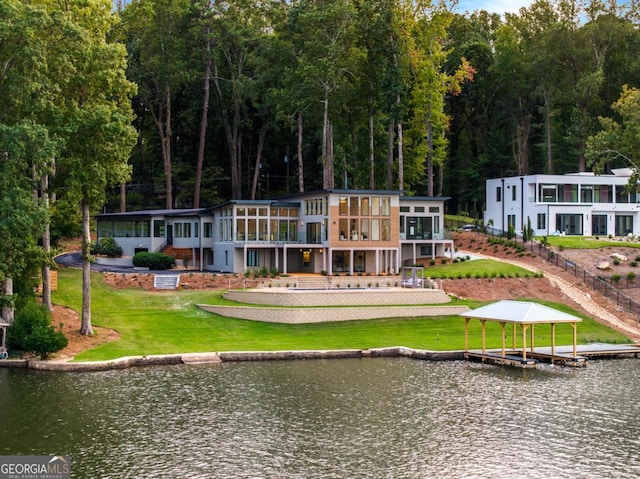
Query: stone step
<point>166,281</point>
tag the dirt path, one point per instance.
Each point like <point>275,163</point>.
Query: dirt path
<point>583,299</point>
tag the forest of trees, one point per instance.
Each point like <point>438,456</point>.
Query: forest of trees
<point>250,99</point>
<point>143,104</point>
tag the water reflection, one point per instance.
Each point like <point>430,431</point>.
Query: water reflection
<point>360,418</point>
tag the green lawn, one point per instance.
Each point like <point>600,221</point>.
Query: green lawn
<point>169,322</point>
<point>474,269</point>
<point>588,242</point>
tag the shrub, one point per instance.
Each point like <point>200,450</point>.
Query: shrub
<point>616,262</point>
<point>432,262</point>
<point>107,247</point>
<point>615,278</point>
<point>443,261</point>
<point>157,261</point>
<point>32,331</point>
<point>633,264</point>
<point>631,276</point>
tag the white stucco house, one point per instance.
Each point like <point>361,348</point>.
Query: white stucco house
<point>332,231</point>
<point>574,204</point>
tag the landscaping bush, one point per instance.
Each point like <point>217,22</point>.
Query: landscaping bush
<point>32,331</point>
<point>157,261</point>
<point>107,247</point>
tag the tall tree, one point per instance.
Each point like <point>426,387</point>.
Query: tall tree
<point>154,32</point>
<point>25,152</point>
<point>97,107</point>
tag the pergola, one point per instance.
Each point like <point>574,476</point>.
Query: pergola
<point>3,339</point>
<point>525,314</point>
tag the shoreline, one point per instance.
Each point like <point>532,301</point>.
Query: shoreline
<point>229,357</point>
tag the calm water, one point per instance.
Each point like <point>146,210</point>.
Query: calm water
<point>361,418</point>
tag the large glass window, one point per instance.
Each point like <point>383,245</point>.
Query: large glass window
<point>241,229</point>
<point>375,229</point>
<point>569,224</point>
<point>542,221</point>
<point>586,194</point>
<point>342,208</point>
<point>364,227</point>
<point>207,229</point>
<point>599,225</point>
<point>386,229</point>
<point>353,229</point>
<point>386,206</point>
<point>344,229</point>
<point>602,194</point>
<point>252,228</point>
<point>354,209</point>
<point>253,258</point>
<point>624,225</point>
<point>375,206</point>
<point>364,206</point>
<point>548,193</point>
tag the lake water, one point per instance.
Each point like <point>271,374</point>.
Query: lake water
<point>356,418</point>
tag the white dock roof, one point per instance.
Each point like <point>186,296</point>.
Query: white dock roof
<point>521,312</point>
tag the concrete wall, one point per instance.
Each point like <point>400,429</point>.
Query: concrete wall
<point>319,315</point>
<point>332,297</point>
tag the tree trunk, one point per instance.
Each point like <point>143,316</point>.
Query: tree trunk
<point>123,197</point>
<point>325,145</point>
<point>300,162</point>
<point>400,157</point>
<point>372,172</point>
<point>429,158</point>
<point>203,123</point>
<point>331,159</point>
<point>46,246</point>
<point>522,138</point>
<point>547,119</point>
<point>390,141</point>
<point>256,170</point>
<point>167,154</point>
<point>162,119</point>
<point>85,327</point>
<point>8,309</point>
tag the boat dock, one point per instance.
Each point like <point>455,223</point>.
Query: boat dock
<point>560,355</point>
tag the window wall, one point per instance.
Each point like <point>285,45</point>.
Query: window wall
<point>364,218</point>
<point>127,228</point>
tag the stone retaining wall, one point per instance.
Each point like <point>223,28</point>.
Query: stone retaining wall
<point>343,297</point>
<point>233,356</point>
<point>319,315</point>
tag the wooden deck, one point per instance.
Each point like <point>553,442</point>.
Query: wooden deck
<point>561,355</point>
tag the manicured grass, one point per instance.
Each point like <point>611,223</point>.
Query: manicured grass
<point>588,242</point>
<point>169,322</point>
<point>475,268</point>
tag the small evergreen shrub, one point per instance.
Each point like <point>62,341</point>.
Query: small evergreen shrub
<point>156,261</point>
<point>107,247</point>
<point>32,331</point>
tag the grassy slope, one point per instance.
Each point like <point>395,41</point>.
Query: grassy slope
<point>475,268</point>
<point>169,322</point>
<point>587,242</point>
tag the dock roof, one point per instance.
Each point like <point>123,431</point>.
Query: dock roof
<point>521,312</point>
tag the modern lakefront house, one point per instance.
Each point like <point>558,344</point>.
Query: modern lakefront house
<point>581,204</point>
<point>327,231</point>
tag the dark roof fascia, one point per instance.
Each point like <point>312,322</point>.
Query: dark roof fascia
<point>148,213</point>
<point>425,198</point>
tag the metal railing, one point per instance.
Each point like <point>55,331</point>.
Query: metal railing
<point>611,286</point>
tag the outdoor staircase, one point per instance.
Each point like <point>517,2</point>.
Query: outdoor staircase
<point>166,281</point>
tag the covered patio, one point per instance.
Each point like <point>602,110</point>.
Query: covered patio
<point>527,315</point>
